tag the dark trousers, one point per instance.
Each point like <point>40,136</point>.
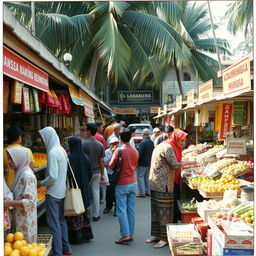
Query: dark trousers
<point>110,195</point>
<point>176,195</point>
<point>57,225</point>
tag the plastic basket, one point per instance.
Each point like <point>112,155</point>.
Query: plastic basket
<point>47,240</point>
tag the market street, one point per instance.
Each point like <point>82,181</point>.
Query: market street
<point>106,231</point>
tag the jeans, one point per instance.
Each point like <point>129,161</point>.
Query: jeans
<point>57,224</point>
<point>143,180</point>
<point>125,208</point>
<point>95,188</point>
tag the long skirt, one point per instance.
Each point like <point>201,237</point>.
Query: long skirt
<point>176,194</point>
<point>161,213</point>
<point>79,228</point>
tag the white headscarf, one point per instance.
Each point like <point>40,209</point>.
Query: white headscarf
<point>50,138</point>
<point>21,159</point>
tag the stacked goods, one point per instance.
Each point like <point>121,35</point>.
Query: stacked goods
<point>227,203</point>
<point>245,211</point>
<point>195,182</point>
<point>221,185</point>
<point>41,194</point>
<point>211,152</point>
<point>40,159</point>
<point>221,164</point>
<point>202,149</point>
<point>236,169</point>
<point>15,245</point>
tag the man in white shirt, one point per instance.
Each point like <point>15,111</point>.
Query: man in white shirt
<point>115,134</point>
<point>156,133</point>
<point>55,182</point>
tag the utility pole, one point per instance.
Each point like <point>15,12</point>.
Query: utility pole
<point>214,36</point>
<point>33,18</point>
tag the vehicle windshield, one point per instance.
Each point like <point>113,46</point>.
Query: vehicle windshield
<point>139,129</point>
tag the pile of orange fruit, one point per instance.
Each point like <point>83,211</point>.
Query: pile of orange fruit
<point>224,183</point>
<point>15,245</point>
<point>41,194</point>
<point>40,159</point>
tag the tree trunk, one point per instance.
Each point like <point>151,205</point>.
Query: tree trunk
<point>178,78</point>
<point>93,71</point>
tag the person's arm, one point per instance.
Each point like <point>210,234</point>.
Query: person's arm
<point>102,169</point>
<point>53,171</point>
<point>15,203</point>
<point>104,143</point>
<point>107,158</point>
<point>114,160</point>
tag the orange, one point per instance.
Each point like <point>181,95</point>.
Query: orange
<point>34,244</point>
<point>30,246</point>
<point>7,250</point>
<point>24,242</point>
<point>33,252</point>
<point>41,253</point>
<point>24,251</point>
<point>17,244</point>
<point>7,244</point>
<point>16,251</point>
<point>41,245</point>
<point>10,238</point>
<point>18,236</point>
<point>14,254</point>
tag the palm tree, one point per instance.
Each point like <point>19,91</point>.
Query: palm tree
<point>240,16</point>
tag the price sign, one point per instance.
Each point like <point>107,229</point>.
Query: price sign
<point>236,146</point>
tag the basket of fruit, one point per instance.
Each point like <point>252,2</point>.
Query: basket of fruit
<point>187,206</point>
<point>16,245</point>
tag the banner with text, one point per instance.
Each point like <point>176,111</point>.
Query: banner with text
<point>179,102</point>
<point>125,111</point>
<point>128,97</point>
<point>225,120</point>
<point>206,91</point>
<point>237,77</point>
<point>190,97</point>
<point>18,68</point>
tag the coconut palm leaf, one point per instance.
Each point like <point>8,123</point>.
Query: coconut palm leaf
<point>117,8</point>
<point>112,48</point>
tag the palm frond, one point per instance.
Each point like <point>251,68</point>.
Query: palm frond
<point>118,8</point>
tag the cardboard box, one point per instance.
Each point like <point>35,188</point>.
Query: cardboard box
<point>231,241</point>
<point>217,249</point>
<point>209,242</point>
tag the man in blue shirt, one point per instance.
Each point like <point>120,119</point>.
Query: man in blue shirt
<point>115,134</point>
<point>146,148</point>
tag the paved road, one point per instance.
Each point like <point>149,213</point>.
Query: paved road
<point>106,231</point>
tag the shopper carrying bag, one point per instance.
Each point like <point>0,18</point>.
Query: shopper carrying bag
<point>73,203</point>
<point>115,176</point>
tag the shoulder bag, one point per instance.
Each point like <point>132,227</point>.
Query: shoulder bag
<point>115,176</point>
<point>73,202</point>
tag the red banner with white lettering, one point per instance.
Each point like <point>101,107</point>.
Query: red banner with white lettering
<point>16,67</point>
<point>88,110</point>
<point>225,120</point>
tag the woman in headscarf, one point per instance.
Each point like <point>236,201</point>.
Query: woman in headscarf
<point>24,191</point>
<point>79,227</point>
<point>165,169</point>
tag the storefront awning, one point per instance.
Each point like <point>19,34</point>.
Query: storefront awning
<point>75,96</point>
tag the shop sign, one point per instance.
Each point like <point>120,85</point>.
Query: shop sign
<point>17,92</point>
<point>206,91</point>
<point>88,110</point>
<point>135,97</point>
<point>179,102</point>
<point>236,146</point>
<point>25,101</point>
<point>225,120</point>
<point>18,68</point>
<point>237,77</point>
<point>190,97</point>
<point>239,113</point>
<point>154,110</point>
<point>36,100</point>
<point>85,98</point>
<point>125,111</point>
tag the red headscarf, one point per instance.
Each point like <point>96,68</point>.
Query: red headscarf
<point>176,136</point>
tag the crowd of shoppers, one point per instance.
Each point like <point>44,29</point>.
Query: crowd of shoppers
<point>152,169</point>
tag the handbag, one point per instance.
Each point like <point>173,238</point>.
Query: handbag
<point>115,176</point>
<point>73,202</point>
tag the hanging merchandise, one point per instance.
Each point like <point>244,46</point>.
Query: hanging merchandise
<point>31,101</point>
<point>36,100</point>
<point>50,99</point>
<point>249,113</point>
<point>225,120</point>
<point>217,117</point>
<point>196,118</point>
<point>65,106</point>
<point>17,92</point>
<point>25,100</point>
<point>203,116</point>
<point>238,113</point>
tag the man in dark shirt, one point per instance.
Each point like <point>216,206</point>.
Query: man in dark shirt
<point>146,148</point>
<point>95,151</point>
<point>168,131</point>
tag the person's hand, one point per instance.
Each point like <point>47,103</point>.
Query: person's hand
<point>113,149</point>
<point>7,202</point>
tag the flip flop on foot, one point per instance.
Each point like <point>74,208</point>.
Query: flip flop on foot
<point>152,239</point>
<point>161,244</point>
<point>124,240</point>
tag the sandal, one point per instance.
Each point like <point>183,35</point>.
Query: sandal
<point>123,240</point>
<point>161,244</point>
<point>152,240</point>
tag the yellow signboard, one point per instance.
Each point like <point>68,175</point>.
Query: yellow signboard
<point>153,110</point>
<point>85,98</point>
<point>179,102</point>
<point>206,91</point>
<point>125,111</point>
<point>237,77</point>
<point>190,97</point>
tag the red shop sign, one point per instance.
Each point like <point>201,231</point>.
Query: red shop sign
<point>18,68</point>
<point>225,120</point>
<point>88,111</point>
